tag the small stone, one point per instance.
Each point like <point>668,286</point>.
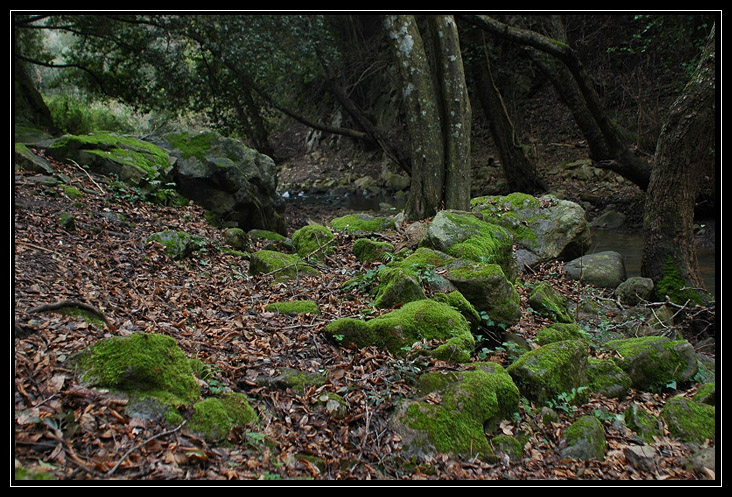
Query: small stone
<point>641,457</point>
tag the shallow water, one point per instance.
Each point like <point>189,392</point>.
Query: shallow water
<point>631,246</point>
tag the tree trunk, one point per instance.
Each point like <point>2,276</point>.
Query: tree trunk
<point>519,170</point>
<point>455,110</point>
<point>438,115</point>
<point>685,154</point>
<point>609,149</point>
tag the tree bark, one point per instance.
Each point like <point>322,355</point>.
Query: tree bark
<point>423,118</point>
<point>455,110</point>
<point>519,170</point>
<point>685,155</point>
<point>438,114</point>
<point>608,148</point>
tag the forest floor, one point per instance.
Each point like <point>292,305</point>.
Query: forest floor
<point>215,311</point>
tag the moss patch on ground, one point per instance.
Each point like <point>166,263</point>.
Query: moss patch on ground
<point>216,416</point>
<point>144,365</point>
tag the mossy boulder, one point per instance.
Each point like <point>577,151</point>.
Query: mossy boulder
<point>362,223</point>
<point>465,236</point>
<point>549,303</point>
<point>458,301</point>
<point>294,307</point>
<point>689,421</point>
<point>603,269</point>
<point>606,378</point>
<point>545,373</point>
<point>585,439</point>
<point>367,250</point>
<point>485,286</point>
<point>215,417</point>
<point>314,241</point>
<point>415,321</point>
<point>271,240</point>
<point>397,287</point>
<point>653,363</point>
<point>177,244</point>
<point>294,379</point>
<point>132,161</point>
<point>234,182</point>
<point>642,422</point>
<point>634,290</point>
<point>543,228</point>
<point>453,412</point>
<point>557,332</point>
<point>26,160</point>
<point>237,239</point>
<point>283,267</point>
<point>142,365</point>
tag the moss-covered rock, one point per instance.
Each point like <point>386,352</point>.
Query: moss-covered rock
<point>271,240</point>
<point>397,287</point>
<point>283,267</point>
<point>133,161</point>
<point>294,307</point>
<point>513,447</point>
<point>606,378</point>
<point>463,235</point>
<point>454,411</point>
<point>367,250</point>
<point>142,365</point>
<point>177,244</point>
<point>546,301</point>
<point>642,422</point>
<point>689,421</point>
<point>585,439</point>
<point>543,228</point>
<point>314,241</point>
<point>458,301</point>
<point>634,290</point>
<point>400,329</point>
<point>362,223</point>
<point>236,238</point>
<point>654,362</point>
<point>215,417</point>
<point>557,332</point>
<point>554,369</point>
<point>294,379</point>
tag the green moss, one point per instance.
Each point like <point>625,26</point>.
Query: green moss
<point>673,284</point>
<point>549,303</point>
<point>143,365</point>
<point>368,251</point>
<point>397,287</point>
<point>458,301</point>
<point>144,155</point>
<point>313,240</point>
<point>284,267</point>
<point>552,371</point>
<point>586,439</point>
<point>642,422</point>
<point>653,362</point>
<point>606,378</point>
<point>215,417</point>
<point>22,473</point>
<point>414,321</point>
<point>72,192</point>
<point>294,307</point>
<point>471,404</point>
<point>360,223</point>
<point>192,146</point>
<point>561,331</point>
<point>688,420</point>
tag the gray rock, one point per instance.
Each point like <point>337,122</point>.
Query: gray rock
<point>585,439</point>
<point>634,290</point>
<point>603,269</point>
<point>232,181</point>
<point>544,228</point>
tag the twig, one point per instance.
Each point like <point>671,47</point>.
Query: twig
<point>162,434</point>
<point>65,304</point>
<point>88,175</point>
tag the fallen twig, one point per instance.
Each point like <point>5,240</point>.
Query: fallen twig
<point>126,454</point>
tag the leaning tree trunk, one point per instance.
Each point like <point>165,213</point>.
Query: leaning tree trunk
<point>685,154</point>
<point>617,155</point>
<point>519,170</point>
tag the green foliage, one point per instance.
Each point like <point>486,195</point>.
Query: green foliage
<point>565,400</point>
<point>79,116</point>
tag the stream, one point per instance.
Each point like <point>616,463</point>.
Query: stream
<point>628,244</point>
